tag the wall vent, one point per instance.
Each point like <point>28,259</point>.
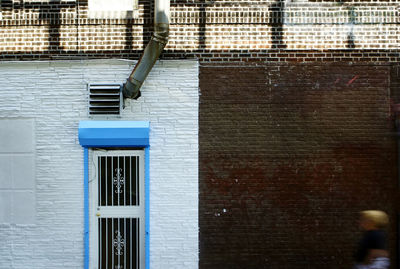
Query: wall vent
<point>105,99</point>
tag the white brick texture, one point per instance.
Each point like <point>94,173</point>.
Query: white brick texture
<point>53,94</point>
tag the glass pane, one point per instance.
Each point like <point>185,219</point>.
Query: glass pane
<point>118,243</point>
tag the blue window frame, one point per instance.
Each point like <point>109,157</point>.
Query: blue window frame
<point>114,134</point>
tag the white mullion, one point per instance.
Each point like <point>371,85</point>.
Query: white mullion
<point>141,220</point>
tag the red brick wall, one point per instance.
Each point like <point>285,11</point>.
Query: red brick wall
<point>288,155</point>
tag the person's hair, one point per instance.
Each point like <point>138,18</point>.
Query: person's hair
<point>379,218</point>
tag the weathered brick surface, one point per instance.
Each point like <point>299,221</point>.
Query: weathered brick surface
<point>288,156</point>
<point>224,31</point>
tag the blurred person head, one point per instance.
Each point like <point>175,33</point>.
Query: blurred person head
<point>373,219</point>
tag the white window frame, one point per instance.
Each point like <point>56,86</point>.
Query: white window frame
<point>96,212</point>
<point>118,9</point>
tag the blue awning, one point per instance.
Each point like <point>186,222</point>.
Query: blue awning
<point>114,133</point>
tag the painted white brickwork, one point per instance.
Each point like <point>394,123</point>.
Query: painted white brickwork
<point>53,96</point>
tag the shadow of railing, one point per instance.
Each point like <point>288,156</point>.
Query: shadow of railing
<point>276,21</point>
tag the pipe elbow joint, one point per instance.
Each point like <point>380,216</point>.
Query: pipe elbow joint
<point>131,89</point>
<point>150,55</point>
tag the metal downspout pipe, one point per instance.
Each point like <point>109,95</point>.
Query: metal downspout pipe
<point>152,51</point>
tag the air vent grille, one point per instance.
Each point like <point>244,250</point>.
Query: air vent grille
<point>105,99</point>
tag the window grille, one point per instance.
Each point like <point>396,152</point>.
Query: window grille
<point>105,99</point>
<point>118,205</point>
<point>119,243</point>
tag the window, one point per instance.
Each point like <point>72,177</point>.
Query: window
<point>117,210</point>
<point>113,9</point>
<point>107,212</point>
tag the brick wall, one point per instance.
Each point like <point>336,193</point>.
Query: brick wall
<point>54,99</point>
<point>288,155</point>
<point>222,31</point>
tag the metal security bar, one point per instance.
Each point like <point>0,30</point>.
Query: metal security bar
<point>118,209</point>
<point>118,181</point>
<point>119,243</point>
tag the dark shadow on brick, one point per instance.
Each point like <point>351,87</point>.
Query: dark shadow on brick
<point>128,35</point>
<point>148,21</point>
<point>277,10</point>
<point>49,13</point>
<point>202,26</point>
<point>350,36</point>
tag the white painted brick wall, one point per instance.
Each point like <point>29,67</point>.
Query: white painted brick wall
<point>54,95</point>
